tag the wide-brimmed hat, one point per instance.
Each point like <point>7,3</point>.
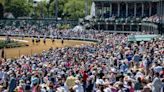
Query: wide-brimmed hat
<point>77,81</point>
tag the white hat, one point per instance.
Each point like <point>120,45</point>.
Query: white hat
<point>77,81</point>
<point>113,70</point>
<point>93,72</point>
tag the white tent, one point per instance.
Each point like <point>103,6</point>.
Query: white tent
<point>93,10</point>
<point>78,28</point>
<point>92,13</point>
<point>89,17</point>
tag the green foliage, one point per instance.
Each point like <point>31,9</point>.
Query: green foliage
<point>1,10</point>
<point>41,10</point>
<point>74,9</point>
<point>18,8</point>
<point>2,1</point>
<point>61,5</point>
<point>68,9</point>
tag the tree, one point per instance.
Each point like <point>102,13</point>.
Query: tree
<point>74,9</point>
<point>48,7</point>
<point>41,9</point>
<point>61,7</point>
<point>69,9</point>
<point>2,1</point>
<point>1,10</point>
<point>19,8</point>
<point>61,4</point>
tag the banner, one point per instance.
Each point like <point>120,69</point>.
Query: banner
<point>141,37</point>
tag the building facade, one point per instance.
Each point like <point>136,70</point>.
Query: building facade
<point>129,15</point>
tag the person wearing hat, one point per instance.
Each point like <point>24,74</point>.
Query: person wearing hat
<point>62,88</point>
<point>27,87</point>
<point>70,81</point>
<point>85,76</point>
<point>12,83</point>
<point>78,87</point>
<point>157,83</point>
<point>130,86</point>
<point>90,83</point>
<point>106,87</point>
<point>137,86</point>
<point>146,88</point>
<point>136,59</point>
<point>50,87</point>
<point>21,86</point>
<point>121,87</point>
<point>35,85</point>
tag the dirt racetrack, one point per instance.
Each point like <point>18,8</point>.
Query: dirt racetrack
<point>38,48</point>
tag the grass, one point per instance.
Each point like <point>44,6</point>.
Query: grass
<point>11,44</point>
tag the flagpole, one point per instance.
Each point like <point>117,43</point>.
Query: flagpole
<point>56,10</point>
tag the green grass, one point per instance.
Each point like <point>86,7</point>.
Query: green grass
<point>11,44</point>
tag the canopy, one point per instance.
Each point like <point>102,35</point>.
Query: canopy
<point>141,37</point>
<point>93,10</point>
<point>78,28</point>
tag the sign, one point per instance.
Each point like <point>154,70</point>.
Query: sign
<point>141,37</point>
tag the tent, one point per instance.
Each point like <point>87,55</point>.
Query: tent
<point>78,28</point>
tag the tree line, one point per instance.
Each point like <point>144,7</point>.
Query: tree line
<point>67,9</point>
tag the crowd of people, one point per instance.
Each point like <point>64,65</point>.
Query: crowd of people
<point>111,65</point>
<point>41,29</point>
<point>25,28</point>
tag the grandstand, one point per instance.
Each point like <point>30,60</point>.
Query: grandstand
<point>129,15</point>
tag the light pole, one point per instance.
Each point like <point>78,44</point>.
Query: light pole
<point>86,7</point>
<point>35,5</point>
<point>48,7</point>
<point>56,10</point>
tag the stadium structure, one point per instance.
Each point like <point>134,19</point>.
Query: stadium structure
<point>129,15</point>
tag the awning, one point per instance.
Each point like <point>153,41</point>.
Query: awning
<point>141,37</point>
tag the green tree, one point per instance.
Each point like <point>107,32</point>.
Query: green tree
<point>69,9</point>
<point>1,10</point>
<point>48,4</point>
<point>74,9</point>
<point>19,8</point>
<point>2,1</point>
<point>61,7</point>
<point>61,4</point>
<point>41,9</point>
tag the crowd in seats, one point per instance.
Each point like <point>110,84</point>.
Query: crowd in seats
<point>112,65</point>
